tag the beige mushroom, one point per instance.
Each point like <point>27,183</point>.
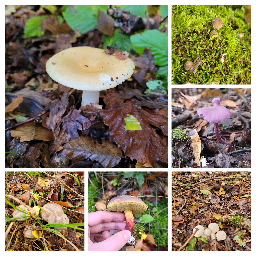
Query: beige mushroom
<point>18,214</point>
<point>214,227</point>
<point>217,23</point>
<point>58,218</point>
<point>49,209</point>
<point>28,231</point>
<point>90,70</point>
<point>129,205</point>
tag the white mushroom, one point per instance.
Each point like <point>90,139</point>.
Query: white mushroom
<point>199,232</point>
<point>58,218</point>
<point>28,231</point>
<point>220,235</point>
<point>49,209</point>
<point>214,227</point>
<point>207,232</point>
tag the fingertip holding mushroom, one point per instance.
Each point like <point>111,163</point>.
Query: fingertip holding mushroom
<point>90,70</point>
<point>215,114</point>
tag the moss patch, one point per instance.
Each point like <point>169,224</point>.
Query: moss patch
<point>191,28</point>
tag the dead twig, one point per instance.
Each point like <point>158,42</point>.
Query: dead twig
<point>8,230</point>
<point>196,229</point>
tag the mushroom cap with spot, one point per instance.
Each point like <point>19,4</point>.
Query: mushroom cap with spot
<point>217,23</point>
<point>214,227</point>
<point>220,235</point>
<point>216,113</point>
<point>200,230</point>
<point>122,203</point>
<point>87,68</point>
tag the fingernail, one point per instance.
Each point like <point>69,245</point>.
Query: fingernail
<point>127,235</point>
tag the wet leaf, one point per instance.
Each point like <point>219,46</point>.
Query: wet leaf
<point>132,123</point>
<point>144,145</point>
<point>107,154</point>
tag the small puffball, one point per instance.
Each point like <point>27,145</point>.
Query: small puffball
<point>188,65</point>
<point>58,218</point>
<point>213,236</point>
<point>214,227</point>
<point>17,213</point>
<point>213,33</point>
<point>199,232</point>
<point>221,235</point>
<point>207,232</point>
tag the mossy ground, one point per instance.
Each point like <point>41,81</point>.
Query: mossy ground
<point>191,28</point>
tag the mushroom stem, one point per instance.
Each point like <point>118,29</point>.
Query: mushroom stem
<point>129,220</point>
<point>89,97</point>
<point>216,131</point>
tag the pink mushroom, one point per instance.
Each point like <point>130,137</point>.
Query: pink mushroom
<point>215,114</point>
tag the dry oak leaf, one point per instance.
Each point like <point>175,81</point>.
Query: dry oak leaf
<point>32,131</point>
<point>146,145</point>
<point>107,154</point>
<point>16,102</point>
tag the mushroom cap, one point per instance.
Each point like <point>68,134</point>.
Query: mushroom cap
<point>87,68</point>
<point>122,203</point>
<point>214,33</point>
<point>200,230</point>
<point>58,218</point>
<point>217,23</point>
<point>188,65</point>
<point>28,231</point>
<point>214,227</point>
<point>49,209</point>
<point>17,213</point>
<point>207,232</point>
<point>216,113</point>
<point>220,235</point>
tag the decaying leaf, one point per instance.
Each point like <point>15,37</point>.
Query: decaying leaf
<point>32,131</point>
<point>196,145</point>
<point>107,154</point>
<point>146,145</point>
<point>16,102</point>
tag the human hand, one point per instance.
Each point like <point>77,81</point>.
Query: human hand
<point>101,223</point>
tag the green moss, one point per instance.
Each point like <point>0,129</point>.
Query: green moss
<point>191,28</point>
<point>92,193</point>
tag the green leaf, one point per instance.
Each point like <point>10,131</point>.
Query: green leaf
<point>162,71</point>
<point>157,43</point>
<point>205,192</point>
<point>146,218</point>
<point>203,239</point>
<point>132,124</point>
<point>238,239</point>
<point>83,17</point>
<point>122,41</point>
<point>32,27</point>
<point>140,178</point>
<point>155,86</point>
<point>137,10</point>
<point>51,8</point>
<point>164,10</point>
<point>128,174</point>
<point>191,245</point>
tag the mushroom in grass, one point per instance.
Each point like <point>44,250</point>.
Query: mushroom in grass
<point>215,114</point>
<point>90,70</point>
<point>129,205</point>
<point>217,23</point>
<point>21,215</point>
<point>53,214</point>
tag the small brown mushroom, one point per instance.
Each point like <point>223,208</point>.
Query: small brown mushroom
<point>217,23</point>
<point>129,205</point>
<point>188,65</point>
<point>213,33</point>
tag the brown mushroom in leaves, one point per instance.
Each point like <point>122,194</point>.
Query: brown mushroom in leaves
<point>90,70</point>
<point>129,205</point>
<point>215,114</point>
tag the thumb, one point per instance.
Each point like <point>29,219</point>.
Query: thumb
<point>113,243</point>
